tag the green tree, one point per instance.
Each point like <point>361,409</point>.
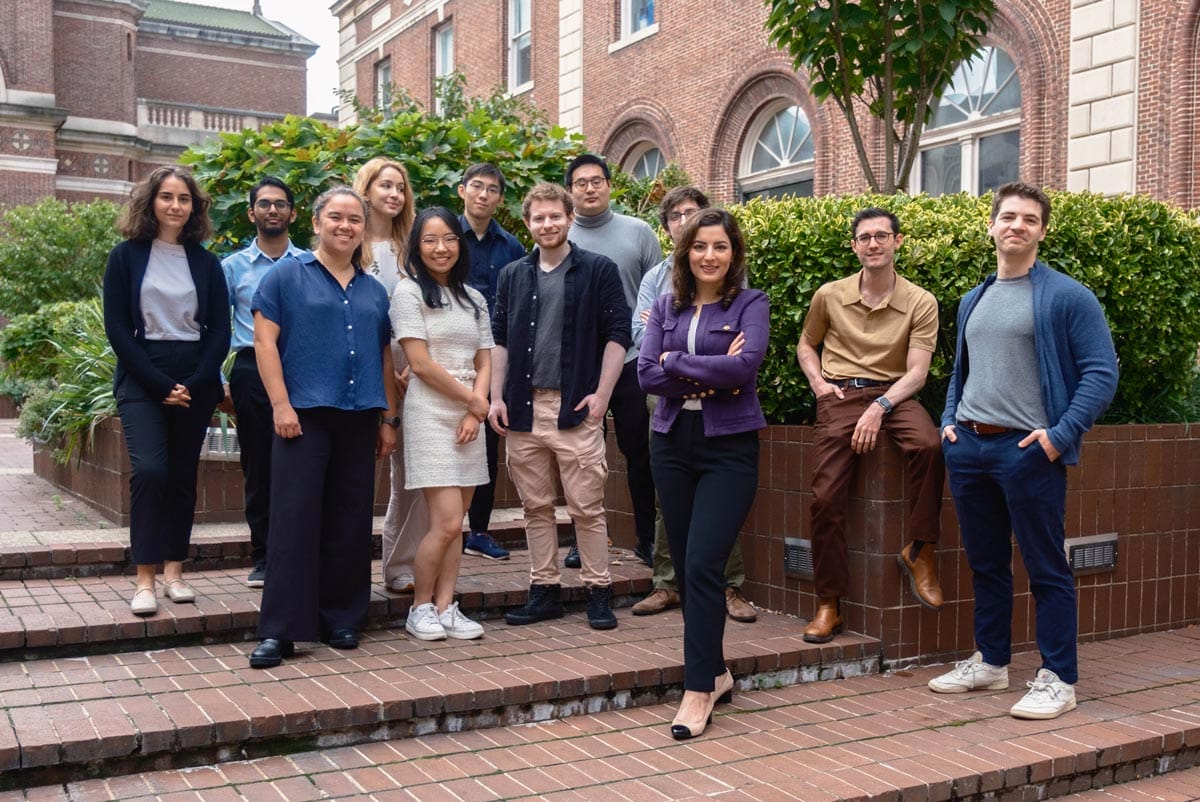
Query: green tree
<point>888,59</point>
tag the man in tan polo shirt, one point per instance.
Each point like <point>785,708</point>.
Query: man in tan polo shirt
<point>877,332</point>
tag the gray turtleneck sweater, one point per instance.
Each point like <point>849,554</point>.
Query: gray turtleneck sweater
<point>626,240</point>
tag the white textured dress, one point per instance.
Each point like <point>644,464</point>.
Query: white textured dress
<point>430,419</point>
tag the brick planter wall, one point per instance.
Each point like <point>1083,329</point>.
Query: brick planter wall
<point>8,407</point>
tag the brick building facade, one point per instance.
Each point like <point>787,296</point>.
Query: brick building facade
<point>1078,94</point>
<point>95,93</point>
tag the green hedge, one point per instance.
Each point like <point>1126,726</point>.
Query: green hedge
<point>1140,257</point>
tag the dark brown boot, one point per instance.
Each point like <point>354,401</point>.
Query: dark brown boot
<point>922,575</point>
<point>826,623</point>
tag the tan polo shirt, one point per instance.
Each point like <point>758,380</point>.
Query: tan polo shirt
<point>864,343</point>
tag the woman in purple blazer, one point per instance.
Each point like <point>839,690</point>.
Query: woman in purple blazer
<point>703,346</point>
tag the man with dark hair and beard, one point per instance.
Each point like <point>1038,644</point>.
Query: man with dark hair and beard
<point>272,210</point>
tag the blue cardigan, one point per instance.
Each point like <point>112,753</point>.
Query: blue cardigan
<point>1077,366</point>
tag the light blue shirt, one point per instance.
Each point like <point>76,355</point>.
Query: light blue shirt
<point>654,284</point>
<point>243,271</point>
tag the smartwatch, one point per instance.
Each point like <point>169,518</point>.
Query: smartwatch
<point>887,405</point>
<point>393,421</point>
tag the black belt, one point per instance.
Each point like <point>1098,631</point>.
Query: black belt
<point>859,384</point>
<point>984,428</point>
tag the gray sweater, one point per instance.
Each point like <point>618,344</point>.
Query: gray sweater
<point>626,240</point>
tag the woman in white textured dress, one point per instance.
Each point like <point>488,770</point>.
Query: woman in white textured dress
<point>384,185</point>
<point>443,326</point>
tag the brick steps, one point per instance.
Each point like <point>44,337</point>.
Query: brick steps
<point>90,614</point>
<point>865,737</point>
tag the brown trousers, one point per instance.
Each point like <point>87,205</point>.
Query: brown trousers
<point>911,428</point>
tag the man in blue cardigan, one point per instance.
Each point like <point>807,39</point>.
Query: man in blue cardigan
<point>1035,368</point>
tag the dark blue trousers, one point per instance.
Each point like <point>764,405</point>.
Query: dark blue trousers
<point>322,496</point>
<point>1000,490</point>
<point>256,431</point>
<point>706,486</point>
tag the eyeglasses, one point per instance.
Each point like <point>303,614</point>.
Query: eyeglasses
<point>265,205</point>
<point>675,217</point>
<point>595,182</point>
<point>449,240</point>
<point>879,236</point>
<point>486,189</point>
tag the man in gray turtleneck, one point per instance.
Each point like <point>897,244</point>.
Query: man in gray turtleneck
<point>632,244</point>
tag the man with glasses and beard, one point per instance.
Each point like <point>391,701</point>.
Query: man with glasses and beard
<point>272,210</point>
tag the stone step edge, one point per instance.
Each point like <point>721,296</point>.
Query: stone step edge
<point>232,734</point>
<point>230,617</point>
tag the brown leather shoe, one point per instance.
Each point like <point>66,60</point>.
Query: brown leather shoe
<point>738,607</point>
<point>661,599</point>
<point>826,623</point>
<point>922,575</point>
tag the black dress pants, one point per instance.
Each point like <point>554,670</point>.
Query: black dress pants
<point>480,514</point>
<point>632,420</point>
<point>706,486</point>
<point>256,431</point>
<point>319,563</point>
<point>164,443</point>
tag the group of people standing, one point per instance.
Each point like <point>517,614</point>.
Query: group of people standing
<point>425,337</point>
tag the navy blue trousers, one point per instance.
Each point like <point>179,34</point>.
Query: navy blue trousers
<point>1001,490</point>
<point>322,497</point>
<point>706,486</point>
<point>256,433</point>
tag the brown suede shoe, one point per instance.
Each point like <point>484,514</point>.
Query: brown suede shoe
<point>922,575</point>
<point>826,623</point>
<point>661,599</point>
<point>738,607</point>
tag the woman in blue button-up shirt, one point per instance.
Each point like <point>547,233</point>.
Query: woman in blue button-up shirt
<point>321,339</point>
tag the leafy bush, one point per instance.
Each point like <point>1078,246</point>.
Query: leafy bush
<point>435,149</point>
<point>53,251</point>
<point>27,342</point>
<point>640,196</point>
<point>1141,258</point>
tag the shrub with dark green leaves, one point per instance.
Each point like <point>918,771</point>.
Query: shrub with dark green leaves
<point>53,251</point>
<point>27,342</point>
<point>1141,258</point>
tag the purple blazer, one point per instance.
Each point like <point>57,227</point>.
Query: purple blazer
<point>725,384</point>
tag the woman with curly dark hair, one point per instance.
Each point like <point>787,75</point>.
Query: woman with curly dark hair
<point>166,314</point>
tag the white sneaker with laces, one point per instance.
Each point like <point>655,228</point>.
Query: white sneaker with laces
<point>458,625</point>
<point>1048,697</point>
<point>423,623</point>
<point>401,583</point>
<point>971,674</point>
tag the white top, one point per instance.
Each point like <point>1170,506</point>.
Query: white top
<point>169,302</point>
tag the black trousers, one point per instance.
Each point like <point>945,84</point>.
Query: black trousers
<point>632,420</point>
<point>256,431</point>
<point>164,445</point>
<point>706,486</point>
<point>480,514</point>
<point>319,563</point>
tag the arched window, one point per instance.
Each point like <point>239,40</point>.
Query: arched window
<point>647,163</point>
<point>777,159</point>
<point>973,141</point>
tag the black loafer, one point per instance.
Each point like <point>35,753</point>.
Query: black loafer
<point>270,653</point>
<point>342,639</point>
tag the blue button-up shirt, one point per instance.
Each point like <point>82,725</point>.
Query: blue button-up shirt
<point>489,256</point>
<point>331,339</point>
<point>243,271</point>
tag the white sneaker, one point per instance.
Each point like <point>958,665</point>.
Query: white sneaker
<point>971,675</point>
<point>423,623</point>
<point>1048,697</point>
<point>401,583</point>
<point>457,625</point>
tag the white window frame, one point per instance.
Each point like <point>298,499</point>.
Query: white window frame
<point>639,152</point>
<point>514,37</point>
<point>443,57</point>
<point>748,182</point>
<point>383,78</point>
<point>628,36</point>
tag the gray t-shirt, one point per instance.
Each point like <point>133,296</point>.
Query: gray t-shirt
<point>169,303</point>
<point>1002,386</point>
<point>547,342</point>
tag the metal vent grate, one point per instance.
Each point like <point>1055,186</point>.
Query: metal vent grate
<point>797,558</point>
<point>1091,554</point>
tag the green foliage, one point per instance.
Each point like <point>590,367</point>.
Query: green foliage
<point>26,343</point>
<point>885,58</point>
<point>435,149</point>
<point>640,197</point>
<point>65,409</point>
<point>1140,257</point>
<point>53,251</point>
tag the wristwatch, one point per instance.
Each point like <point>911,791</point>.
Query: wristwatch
<point>393,421</point>
<point>887,405</point>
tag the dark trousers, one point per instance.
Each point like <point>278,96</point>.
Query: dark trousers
<point>256,430</point>
<point>164,444</point>
<point>632,420</point>
<point>999,490</point>
<point>319,563</point>
<point>480,514</point>
<point>911,428</point>
<point>706,486</point>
